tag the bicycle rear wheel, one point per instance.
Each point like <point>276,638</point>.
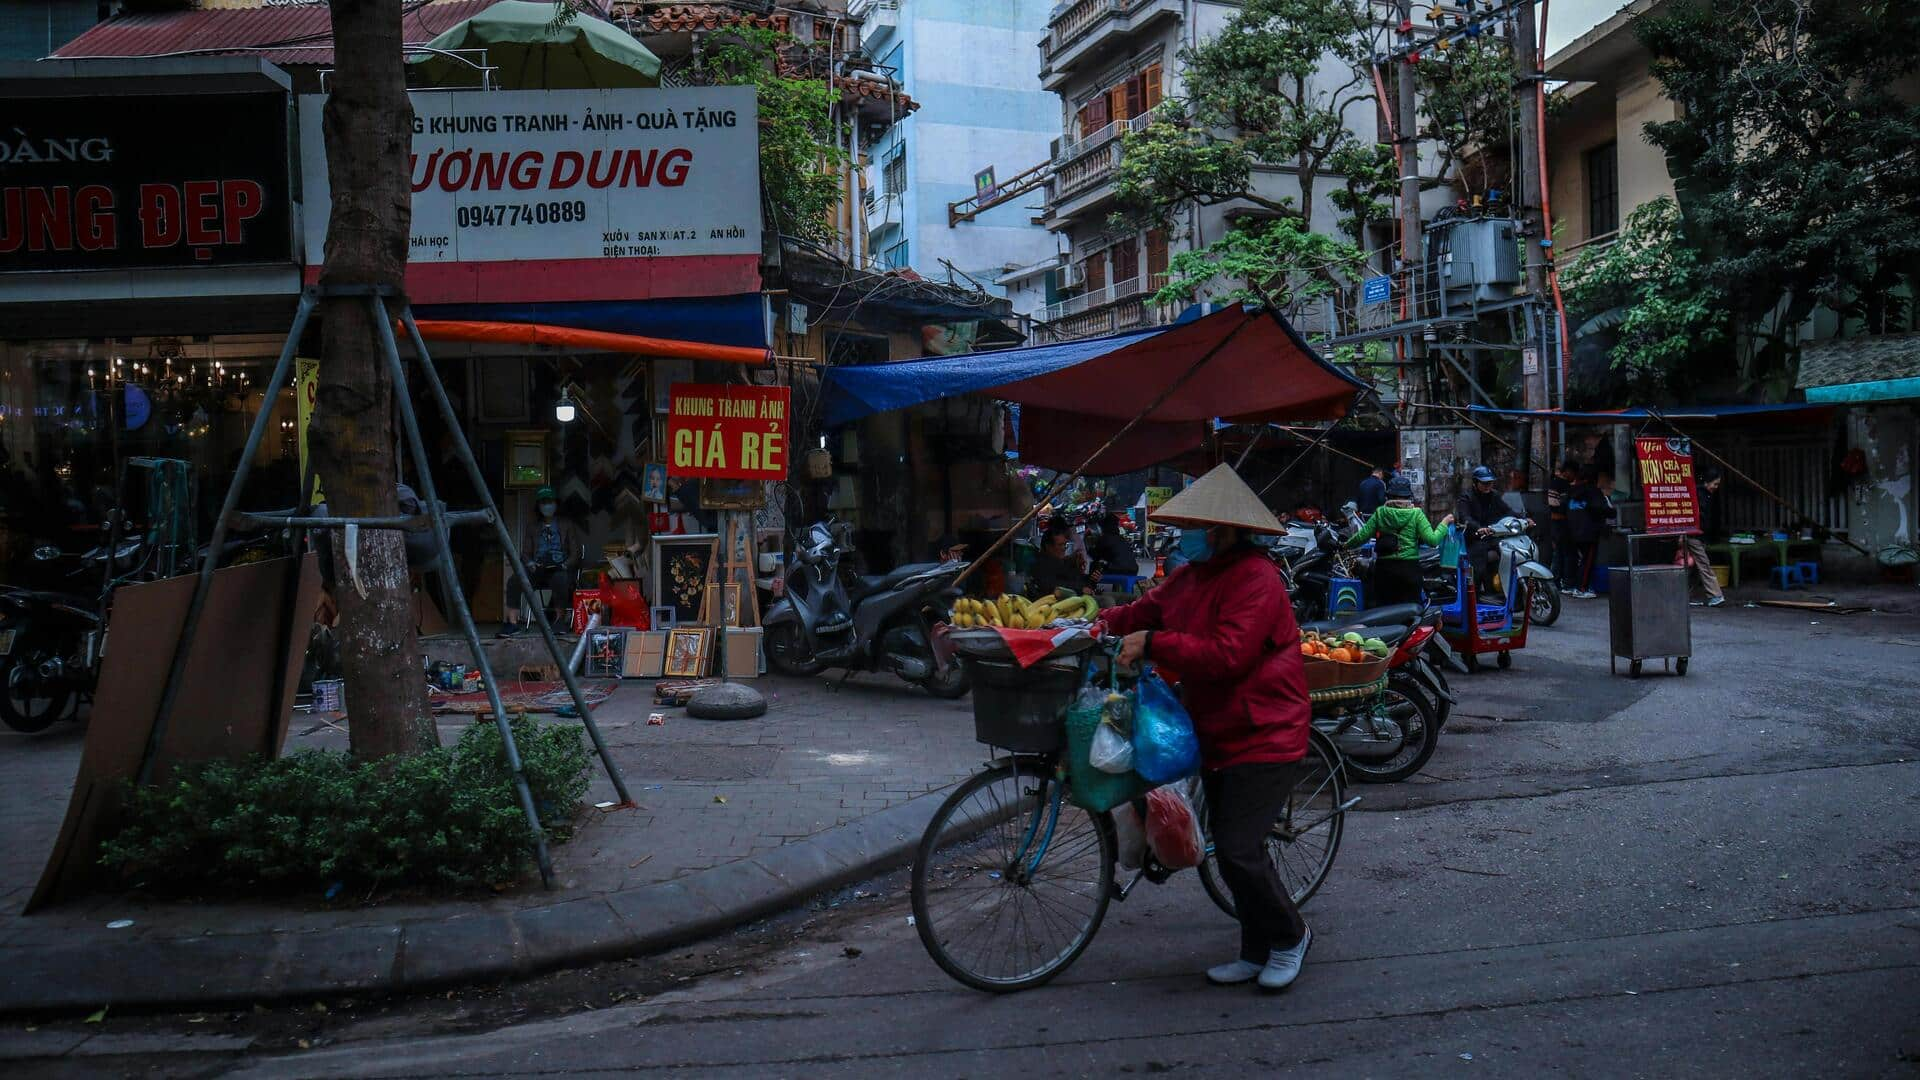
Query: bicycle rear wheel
<point>1011,881</point>
<point>1306,835</point>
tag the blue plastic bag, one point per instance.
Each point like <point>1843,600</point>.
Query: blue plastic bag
<point>1453,547</point>
<point>1165,748</point>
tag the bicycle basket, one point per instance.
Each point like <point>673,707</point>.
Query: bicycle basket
<point>1022,709</point>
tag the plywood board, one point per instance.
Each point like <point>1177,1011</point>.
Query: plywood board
<point>234,702</point>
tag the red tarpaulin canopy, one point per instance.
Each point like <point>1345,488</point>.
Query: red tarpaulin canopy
<point>1077,394</point>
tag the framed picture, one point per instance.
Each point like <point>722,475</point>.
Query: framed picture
<point>606,656</point>
<point>732,494</point>
<point>653,482</point>
<point>680,574</point>
<point>688,652</point>
<point>666,372</point>
<point>723,603</point>
<point>527,463</point>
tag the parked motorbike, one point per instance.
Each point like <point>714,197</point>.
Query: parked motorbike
<point>51,642</point>
<point>1392,736</point>
<point>1519,568</point>
<point>879,623</point>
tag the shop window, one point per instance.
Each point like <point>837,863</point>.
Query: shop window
<point>1603,190</point>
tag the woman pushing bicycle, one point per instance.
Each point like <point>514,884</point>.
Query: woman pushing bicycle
<point>1224,626</point>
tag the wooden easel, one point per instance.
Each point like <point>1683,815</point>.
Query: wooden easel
<point>732,563</point>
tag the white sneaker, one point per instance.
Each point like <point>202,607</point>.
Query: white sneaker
<point>1717,601</point>
<point>1283,965</point>
<point>1234,974</point>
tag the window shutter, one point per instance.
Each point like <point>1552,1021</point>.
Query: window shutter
<point>1150,86</point>
<point>1156,255</point>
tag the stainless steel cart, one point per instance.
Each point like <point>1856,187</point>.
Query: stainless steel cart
<point>1647,608</point>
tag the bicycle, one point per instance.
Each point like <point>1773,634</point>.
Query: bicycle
<point>1011,880</point>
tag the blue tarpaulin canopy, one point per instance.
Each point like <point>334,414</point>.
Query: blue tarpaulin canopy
<point>1075,395</point>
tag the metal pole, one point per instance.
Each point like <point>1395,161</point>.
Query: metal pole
<point>183,646</point>
<point>512,549</point>
<point>1407,154</point>
<point>443,561</point>
<point>1535,230</point>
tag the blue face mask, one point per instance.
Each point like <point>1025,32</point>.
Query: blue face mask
<point>1196,545</point>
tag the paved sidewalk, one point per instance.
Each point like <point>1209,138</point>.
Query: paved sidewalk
<point>735,820</point>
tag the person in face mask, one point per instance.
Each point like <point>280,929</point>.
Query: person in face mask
<point>551,549</point>
<point>1224,626</point>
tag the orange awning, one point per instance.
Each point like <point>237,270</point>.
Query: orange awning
<point>566,337</point>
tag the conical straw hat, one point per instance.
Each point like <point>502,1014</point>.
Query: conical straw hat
<point>1219,498</point>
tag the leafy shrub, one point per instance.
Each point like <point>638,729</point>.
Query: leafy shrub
<point>449,817</point>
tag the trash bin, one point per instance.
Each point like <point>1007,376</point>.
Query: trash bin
<point>1647,610</point>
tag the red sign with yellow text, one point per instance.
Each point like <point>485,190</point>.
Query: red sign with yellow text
<point>1666,478</point>
<point>728,432</point>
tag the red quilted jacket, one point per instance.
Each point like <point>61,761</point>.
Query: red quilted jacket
<point>1225,626</point>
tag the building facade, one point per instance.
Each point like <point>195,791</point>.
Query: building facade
<point>974,68</point>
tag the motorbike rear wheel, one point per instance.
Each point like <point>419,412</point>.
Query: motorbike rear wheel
<point>950,686</point>
<point>29,703</point>
<point>1405,703</point>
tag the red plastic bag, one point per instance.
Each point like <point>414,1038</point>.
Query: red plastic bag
<point>1173,829</point>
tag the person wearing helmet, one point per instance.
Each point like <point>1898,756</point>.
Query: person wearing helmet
<point>551,549</point>
<point>1397,530</point>
<point>1476,511</point>
<point>1223,625</point>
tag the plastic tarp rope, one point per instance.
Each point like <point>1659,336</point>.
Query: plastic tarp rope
<point>1074,395</point>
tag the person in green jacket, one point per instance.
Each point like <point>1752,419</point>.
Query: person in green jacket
<point>1398,529</point>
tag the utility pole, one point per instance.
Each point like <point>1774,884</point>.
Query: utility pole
<point>1528,84</point>
<point>1406,122</point>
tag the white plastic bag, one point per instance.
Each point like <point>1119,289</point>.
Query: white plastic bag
<point>1111,752</point>
<point>1130,836</point>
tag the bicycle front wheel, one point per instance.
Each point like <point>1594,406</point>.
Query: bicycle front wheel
<point>1011,880</point>
<point>1306,835</point>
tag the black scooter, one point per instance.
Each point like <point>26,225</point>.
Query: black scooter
<point>882,623</point>
<point>51,642</point>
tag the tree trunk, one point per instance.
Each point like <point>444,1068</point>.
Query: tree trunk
<point>368,126</point>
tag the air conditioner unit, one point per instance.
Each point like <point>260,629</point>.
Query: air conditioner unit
<point>1073,275</point>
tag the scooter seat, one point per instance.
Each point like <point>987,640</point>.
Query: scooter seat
<point>868,584</point>
<point>1391,615</point>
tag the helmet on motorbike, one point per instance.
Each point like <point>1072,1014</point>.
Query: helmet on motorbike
<point>1483,475</point>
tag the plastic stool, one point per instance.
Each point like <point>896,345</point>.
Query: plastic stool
<point>1787,576</point>
<point>1809,572</point>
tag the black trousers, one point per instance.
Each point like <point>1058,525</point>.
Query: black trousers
<point>1243,801</point>
<point>1395,581</point>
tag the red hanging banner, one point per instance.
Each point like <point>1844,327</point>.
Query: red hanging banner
<point>728,432</point>
<point>1666,479</point>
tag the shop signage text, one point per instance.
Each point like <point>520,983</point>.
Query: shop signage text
<point>543,176</point>
<point>728,432</point>
<point>103,183</point>
<point>1666,478</point>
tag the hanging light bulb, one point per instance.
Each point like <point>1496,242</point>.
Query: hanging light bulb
<point>564,410</point>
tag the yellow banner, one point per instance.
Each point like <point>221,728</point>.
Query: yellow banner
<point>306,393</point>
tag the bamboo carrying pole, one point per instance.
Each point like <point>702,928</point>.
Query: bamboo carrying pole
<point>1042,504</point>
<point>1750,481</point>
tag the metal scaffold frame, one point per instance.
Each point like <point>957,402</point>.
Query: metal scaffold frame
<point>438,519</point>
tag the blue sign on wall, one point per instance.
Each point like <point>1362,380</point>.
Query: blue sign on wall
<point>1377,290</point>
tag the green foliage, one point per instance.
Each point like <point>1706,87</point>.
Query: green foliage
<point>1467,107</point>
<point>1792,156</point>
<point>1370,176</point>
<point>802,154</point>
<point>445,817</point>
<point>1280,258</point>
<point>1650,287</point>
<point>1253,96</point>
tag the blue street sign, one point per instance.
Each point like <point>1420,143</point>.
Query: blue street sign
<point>1377,290</point>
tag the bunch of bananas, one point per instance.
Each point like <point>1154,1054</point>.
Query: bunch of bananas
<point>1019,613</point>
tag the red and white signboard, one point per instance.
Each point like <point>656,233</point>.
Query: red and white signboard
<point>728,431</point>
<point>1666,479</point>
<point>542,195</point>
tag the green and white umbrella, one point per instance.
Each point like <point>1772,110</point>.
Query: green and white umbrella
<point>533,52</point>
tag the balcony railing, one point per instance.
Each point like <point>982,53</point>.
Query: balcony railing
<point>1112,292</point>
<point>1071,144</point>
<point>1074,20</point>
